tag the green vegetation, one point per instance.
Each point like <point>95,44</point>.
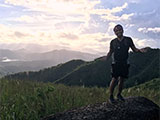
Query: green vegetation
<point>28,100</point>
<point>150,89</point>
<point>144,67</point>
<point>49,74</point>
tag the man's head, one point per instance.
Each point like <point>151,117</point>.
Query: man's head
<point>118,30</point>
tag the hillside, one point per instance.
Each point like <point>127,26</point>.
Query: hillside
<point>48,74</point>
<point>14,61</point>
<point>150,88</point>
<point>25,100</point>
<point>58,56</point>
<point>94,73</point>
<point>144,67</point>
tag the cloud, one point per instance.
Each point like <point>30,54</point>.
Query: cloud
<point>134,1</point>
<point>111,25</point>
<point>111,17</point>
<point>51,13</point>
<point>73,41</point>
<point>69,36</point>
<point>14,35</point>
<point>109,14</point>
<point>140,43</point>
<point>148,13</point>
<point>146,30</point>
<point>119,9</point>
<point>110,11</point>
<point>78,24</point>
<point>25,18</point>
<point>83,8</point>
<point>4,5</point>
<point>18,34</point>
<point>63,7</point>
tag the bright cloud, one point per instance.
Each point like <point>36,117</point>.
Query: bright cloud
<point>69,36</point>
<point>111,17</point>
<point>109,14</point>
<point>26,19</point>
<point>145,43</point>
<point>69,40</point>
<point>146,30</point>
<point>56,12</point>
<point>84,25</point>
<point>3,5</point>
<point>119,9</point>
<point>63,7</point>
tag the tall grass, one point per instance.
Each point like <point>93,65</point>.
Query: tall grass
<point>150,89</point>
<point>26,100</point>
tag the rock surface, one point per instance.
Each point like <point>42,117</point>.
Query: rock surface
<point>134,108</point>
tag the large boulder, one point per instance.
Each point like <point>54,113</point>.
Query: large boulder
<point>134,108</point>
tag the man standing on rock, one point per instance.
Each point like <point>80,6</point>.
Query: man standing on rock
<point>119,48</point>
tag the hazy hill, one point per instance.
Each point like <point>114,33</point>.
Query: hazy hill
<point>144,67</point>
<point>55,55</point>
<point>50,74</point>
<point>23,60</point>
<point>60,56</point>
<point>5,53</point>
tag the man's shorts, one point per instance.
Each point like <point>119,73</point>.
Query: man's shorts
<point>120,70</point>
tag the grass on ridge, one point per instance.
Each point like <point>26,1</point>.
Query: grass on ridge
<point>26,100</point>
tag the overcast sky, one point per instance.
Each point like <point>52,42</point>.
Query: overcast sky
<point>82,25</point>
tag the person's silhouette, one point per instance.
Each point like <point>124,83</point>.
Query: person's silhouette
<point>119,48</point>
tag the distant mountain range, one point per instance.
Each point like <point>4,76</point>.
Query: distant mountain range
<point>13,61</point>
<point>30,47</point>
<point>144,67</point>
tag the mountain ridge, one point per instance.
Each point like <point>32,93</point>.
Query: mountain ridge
<point>97,72</point>
<point>19,61</point>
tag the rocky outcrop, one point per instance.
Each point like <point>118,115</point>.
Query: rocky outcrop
<point>134,108</point>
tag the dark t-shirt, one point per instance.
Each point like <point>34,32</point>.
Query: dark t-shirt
<point>120,49</point>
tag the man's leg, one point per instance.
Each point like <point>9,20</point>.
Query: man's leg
<point>111,89</point>
<point>120,88</point>
<point>120,84</point>
<point>112,85</point>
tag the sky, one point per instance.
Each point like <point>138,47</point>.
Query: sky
<point>80,25</point>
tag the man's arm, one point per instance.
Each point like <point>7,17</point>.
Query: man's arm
<point>143,50</point>
<point>134,49</point>
<point>110,51</point>
<point>108,55</point>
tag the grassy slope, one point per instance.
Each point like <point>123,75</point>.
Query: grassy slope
<point>33,100</point>
<point>150,89</point>
<point>49,74</point>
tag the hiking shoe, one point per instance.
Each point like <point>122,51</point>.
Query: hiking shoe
<point>119,97</point>
<point>111,99</point>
